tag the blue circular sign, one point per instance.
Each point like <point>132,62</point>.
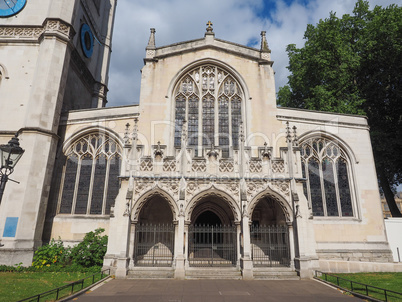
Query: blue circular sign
<point>87,40</point>
<point>11,7</point>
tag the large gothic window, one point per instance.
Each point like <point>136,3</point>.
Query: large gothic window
<point>327,170</point>
<point>210,100</point>
<point>90,177</point>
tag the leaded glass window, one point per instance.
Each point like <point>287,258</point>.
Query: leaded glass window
<point>210,99</point>
<point>180,117</point>
<point>326,167</point>
<point>208,120</point>
<point>90,178</point>
<point>193,121</point>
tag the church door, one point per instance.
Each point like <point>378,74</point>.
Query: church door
<point>211,243</point>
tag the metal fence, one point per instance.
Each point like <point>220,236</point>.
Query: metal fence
<point>68,289</point>
<point>212,246</point>
<point>270,246</point>
<point>359,289</point>
<point>154,245</point>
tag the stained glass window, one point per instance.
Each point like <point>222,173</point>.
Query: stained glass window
<point>315,187</point>
<point>92,168</point>
<point>180,116</point>
<point>236,120</point>
<point>224,125</point>
<point>344,189</point>
<point>208,121</point>
<point>214,94</point>
<point>193,121</point>
<point>327,188</point>
<point>70,176</point>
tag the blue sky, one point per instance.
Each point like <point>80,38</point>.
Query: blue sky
<point>239,21</point>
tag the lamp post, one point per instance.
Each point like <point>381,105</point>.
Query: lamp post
<point>10,154</point>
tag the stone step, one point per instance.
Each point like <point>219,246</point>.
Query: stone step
<point>231,273</point>
<point>275,273</point>
<point>151,273</point>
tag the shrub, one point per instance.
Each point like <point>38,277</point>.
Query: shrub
<point>52,254</point>
<point>91,250</point>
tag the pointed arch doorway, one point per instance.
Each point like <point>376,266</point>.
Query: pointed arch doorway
<point>154,234</point>
<point>212,235</point>
<point>269,235</point>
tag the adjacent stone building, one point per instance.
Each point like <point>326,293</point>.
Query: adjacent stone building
<point>206,172</point>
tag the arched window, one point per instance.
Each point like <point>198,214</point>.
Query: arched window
<point>90,177</point>
<point>327,169</point>
<point>210,99</point>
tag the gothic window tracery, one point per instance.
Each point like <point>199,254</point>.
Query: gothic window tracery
<point>90,178</point>
<point>327,169</point>
<point>210,99</point>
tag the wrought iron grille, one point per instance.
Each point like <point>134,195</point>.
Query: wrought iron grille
<point>154,245</point>
<point>212,246</point>
<point>270,246</point>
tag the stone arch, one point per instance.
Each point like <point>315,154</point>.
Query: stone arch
<point>214,192</point>
<point>147,196</point>
<point>282,202</point>
<point>322,134</point>
<point>211,61</point>
<point>91,130</point>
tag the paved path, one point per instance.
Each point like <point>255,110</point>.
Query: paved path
<point>213,291</point>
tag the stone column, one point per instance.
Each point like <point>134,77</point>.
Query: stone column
<point>246,261</point>
<point>291,244</point>
<point>179,246</point>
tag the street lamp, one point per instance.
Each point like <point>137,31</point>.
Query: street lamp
<point>10,154</point>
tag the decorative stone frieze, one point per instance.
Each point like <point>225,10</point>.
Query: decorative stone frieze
<point>20,32</point>
<point>255,166</point>
<point>169,165</point>
<point>278,166</point>
<point>146,164</point>
<point>199,165</point>
<point>226,165</point>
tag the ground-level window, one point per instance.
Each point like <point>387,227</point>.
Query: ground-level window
<point>328,173</point>
<point>90,175</point>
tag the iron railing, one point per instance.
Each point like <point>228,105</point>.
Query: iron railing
<point>68,289</point>
<point>270,246</point>
<point>359,289</point>
<point>154,245</point>
<point>212,246</point>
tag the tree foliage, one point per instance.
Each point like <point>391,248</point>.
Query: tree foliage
<point>353,65</point>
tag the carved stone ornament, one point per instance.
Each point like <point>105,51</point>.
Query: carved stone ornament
<point>226,165</point>
<point>282,187</point>
<point>169,165</point>
<point>278,166</point>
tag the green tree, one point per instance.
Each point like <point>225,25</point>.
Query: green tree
<point>353,65</point>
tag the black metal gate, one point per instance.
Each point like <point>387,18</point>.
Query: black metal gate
<point>154,245</point>
<point>212,245</point>
<point>270,246</point>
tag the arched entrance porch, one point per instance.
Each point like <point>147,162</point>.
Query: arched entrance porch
<point>212,234</point>
<point>154,234</point>
<point>269,234</point>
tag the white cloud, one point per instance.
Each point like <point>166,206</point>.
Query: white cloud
<point>239,21</point>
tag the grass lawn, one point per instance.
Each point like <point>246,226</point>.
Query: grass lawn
<point>390,281</point>
<point>17,286</point>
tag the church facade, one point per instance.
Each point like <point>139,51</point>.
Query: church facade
<point>206,172</point>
